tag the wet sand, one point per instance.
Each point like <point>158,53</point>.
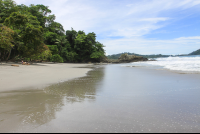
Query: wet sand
<point>110,98</point>
<point>38,75</point>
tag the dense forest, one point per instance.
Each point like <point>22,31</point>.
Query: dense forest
<point>197,52</point>
<point>116,56</point>
<point>31,33</point>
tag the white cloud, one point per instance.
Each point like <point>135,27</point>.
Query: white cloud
<point>130,19</point>
<point>182,45</point>
<point>189,38</point>
<point>155,19</point>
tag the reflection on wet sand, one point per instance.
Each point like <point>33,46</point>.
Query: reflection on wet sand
<point>78,89</point>
<point>32,108</point>
<point>24,107</point>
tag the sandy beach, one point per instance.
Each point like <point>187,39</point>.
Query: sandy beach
<point>38,75</point>
<point>110,98</point>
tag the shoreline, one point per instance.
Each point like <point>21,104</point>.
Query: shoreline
<point>157,97</point>
<point>38,75</point>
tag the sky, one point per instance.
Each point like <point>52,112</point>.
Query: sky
<point>136,26</point>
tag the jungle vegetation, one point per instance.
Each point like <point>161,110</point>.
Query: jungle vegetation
<point>31,33</point>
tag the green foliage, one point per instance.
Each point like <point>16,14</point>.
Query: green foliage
<point>16,20</point>
<point>56,27</point>
<point>197,52</point>
<point>71,36</point>
<point>71,56</point>
<point>53,49</point>
<point>80,46</point>
<point>41,12</point>
<point>6,42</point>
<point>6,8</point>
<point>85,46</point>
<point>6,38</point>
<point>56,58</point>
<point>50,38</point>
<point>96,55</point>
<point>61,42</point>
<point>44,56</point>
<point>27,30</point>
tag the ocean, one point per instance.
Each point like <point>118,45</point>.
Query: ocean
<point>188,64</point>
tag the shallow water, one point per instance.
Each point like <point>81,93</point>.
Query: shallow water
<point>112,98</point>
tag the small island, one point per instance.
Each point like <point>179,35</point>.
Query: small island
<point>125,58</point>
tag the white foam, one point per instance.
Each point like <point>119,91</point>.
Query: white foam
<point>182,63</point>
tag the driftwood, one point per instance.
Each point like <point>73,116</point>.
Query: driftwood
<point>15,65</point>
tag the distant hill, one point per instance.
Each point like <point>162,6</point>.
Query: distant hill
<point>116,56</point>
<point>197,52</point>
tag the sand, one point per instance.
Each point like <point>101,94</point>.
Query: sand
<point>38,75</point>
<point>111,98</point>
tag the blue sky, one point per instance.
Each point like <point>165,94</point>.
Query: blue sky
<point>136,26</point>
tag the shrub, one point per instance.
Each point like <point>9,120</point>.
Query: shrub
<point>56,58</point>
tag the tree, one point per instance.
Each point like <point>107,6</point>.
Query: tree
<point>60,42</point>
<point>53,32</point>
<point>53,49</point>
<point>81,47</point>
<point>98,51</point>
<point>27,29</point>
<point>50,38</point>
<point>56,58</point>
<point>28,32</point>
<point>6,40</point>
<point>56,27</point>
<point>6,8</point>
<point>45,55</point>
<point>71,36</point>
<point>41,12</point>
<point>85,47</point>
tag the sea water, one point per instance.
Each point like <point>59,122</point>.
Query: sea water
<point>178,63</point>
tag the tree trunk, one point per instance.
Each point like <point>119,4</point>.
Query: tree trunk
<point>0,57</point>
<point>60,49</point>
<point>14,52</point>
<point>3,56</point>
<point>8,55</point>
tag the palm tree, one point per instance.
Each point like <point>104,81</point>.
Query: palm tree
<point>61,41</point>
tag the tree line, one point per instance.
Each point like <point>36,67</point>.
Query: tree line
<point>116,56</point>
<point>31,33</point>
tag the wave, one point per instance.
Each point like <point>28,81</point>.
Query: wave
<point>181,63</point>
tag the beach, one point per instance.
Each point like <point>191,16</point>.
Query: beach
<point>38,75</point>
<point>107,98</point>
